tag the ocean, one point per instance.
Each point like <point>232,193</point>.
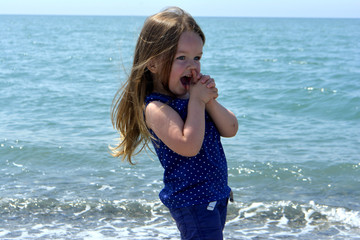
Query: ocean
<point>294,165</point>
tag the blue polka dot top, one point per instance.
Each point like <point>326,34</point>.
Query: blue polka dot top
<point>194,180</point>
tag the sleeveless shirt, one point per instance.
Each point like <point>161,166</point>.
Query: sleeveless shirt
<point>194,180</point>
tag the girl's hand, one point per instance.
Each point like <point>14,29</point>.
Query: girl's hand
<point>203,78</point>
<point>203,88</point>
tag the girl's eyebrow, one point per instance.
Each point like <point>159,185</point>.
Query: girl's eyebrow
<point>181,52</point>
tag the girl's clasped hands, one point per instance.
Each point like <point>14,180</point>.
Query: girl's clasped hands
<point>203,87</point>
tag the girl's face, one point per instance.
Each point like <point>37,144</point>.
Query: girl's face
<point>187,59</point>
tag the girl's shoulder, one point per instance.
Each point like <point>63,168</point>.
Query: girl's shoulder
<point>177,104</point>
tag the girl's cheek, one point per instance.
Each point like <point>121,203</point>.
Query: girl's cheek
<point>180,65</point>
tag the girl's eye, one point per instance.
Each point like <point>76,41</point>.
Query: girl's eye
<point>183,58</point>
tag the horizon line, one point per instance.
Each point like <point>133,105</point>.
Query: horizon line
<point>196,16</point>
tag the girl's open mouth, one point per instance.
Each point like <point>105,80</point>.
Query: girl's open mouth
<point>185,80</point>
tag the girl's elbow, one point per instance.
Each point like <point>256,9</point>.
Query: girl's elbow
<point>187,147</point>
<point>190,155</point>
<point>231,132</point>
<point>189,151</point>
<point>236,128</point>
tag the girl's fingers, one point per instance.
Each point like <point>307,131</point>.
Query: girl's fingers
<point>204,78</point>
<point>211,83</point>
<point>215,93</point>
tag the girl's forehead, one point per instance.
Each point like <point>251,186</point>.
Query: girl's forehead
<point>189,41</point>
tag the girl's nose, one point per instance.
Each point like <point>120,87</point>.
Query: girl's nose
<point>194,65</point>
<point>195,74</point>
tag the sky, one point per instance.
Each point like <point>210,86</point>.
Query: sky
<point>224,8</point>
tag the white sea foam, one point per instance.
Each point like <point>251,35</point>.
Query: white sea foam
<point>87,208</point>
<point>260,219</point>
<point>105,187</point>
<point>18,165</point>
<point>278,218</point>
<point>48,188</point>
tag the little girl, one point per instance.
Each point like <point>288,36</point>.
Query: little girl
<point>166,100</point>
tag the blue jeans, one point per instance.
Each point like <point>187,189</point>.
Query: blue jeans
<point>201,222</point>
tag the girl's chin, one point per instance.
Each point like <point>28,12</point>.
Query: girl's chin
<point>183,95</point>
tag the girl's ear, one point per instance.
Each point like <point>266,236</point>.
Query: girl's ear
<point>153,66</point>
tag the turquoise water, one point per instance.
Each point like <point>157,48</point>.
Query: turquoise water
<point>294,166</point>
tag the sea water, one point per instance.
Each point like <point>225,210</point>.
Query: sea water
<point>294,165</point>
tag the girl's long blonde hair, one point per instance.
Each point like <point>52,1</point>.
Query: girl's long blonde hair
<point>157,41</point>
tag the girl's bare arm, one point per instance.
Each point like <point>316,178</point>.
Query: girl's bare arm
<point>184,138</point>
<point>225,120</point>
